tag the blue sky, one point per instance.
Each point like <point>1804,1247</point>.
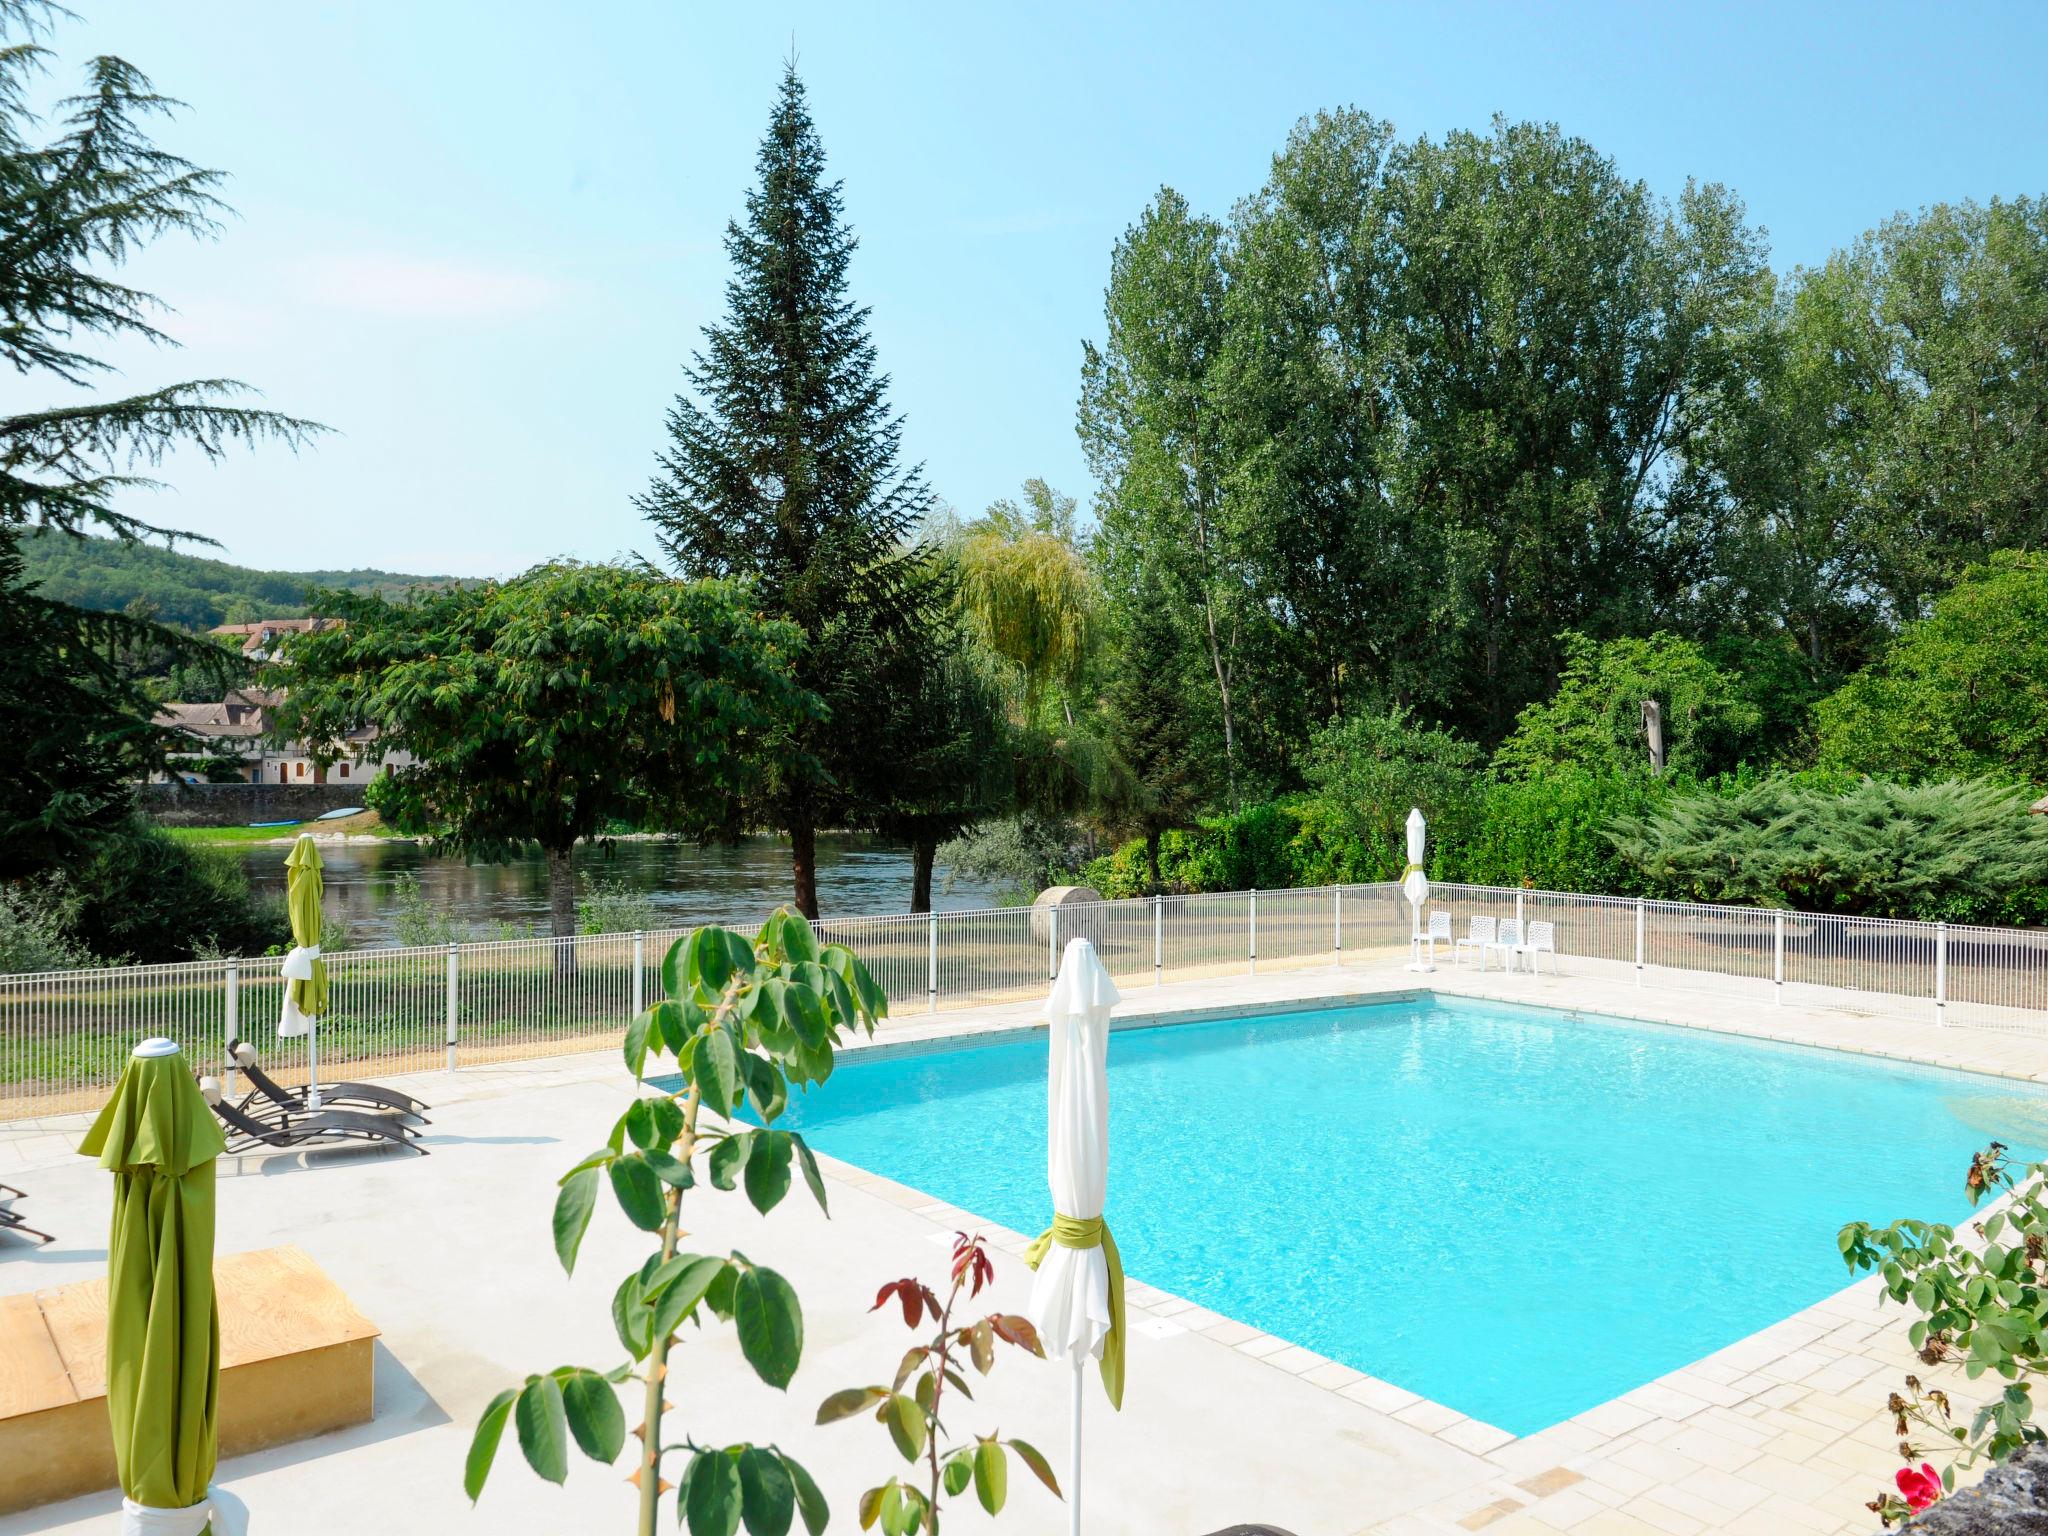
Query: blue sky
<point>479,239</point>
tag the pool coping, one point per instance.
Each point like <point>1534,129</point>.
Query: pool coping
<point>1539,1465</point>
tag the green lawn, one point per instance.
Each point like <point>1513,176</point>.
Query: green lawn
<point>369,823</point>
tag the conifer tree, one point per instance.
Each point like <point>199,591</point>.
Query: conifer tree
<point>1151,733</point>
<point>784,466</point>
<point>73,207</point>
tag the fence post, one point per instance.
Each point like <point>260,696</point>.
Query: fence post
<point>1337,920</point>
<point>1253,942</point>
<point>454,1001</point>
<point>932,964</point>
<point>1158,940</point>
<point>1052,944</point>
<point>1941,973</point>
<point>233,1026</point>
<point>1778,957</point>
<point>1519,928</point>
<point>1639,941</point>
<point>639,974</point>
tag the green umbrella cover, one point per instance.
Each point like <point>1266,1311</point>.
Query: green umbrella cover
<point>305,971</point>
<point>159,1140</point>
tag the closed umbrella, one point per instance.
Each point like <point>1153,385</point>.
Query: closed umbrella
<point>158,1138</point>
<point>1077,1297</point>
<point>305,973</point>
<point>1415,886</point>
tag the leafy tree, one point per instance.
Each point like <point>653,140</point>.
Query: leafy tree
<point>73,207</point>
<point>786,468</point>
<point>548,708</point>
<point>1149,734</point>
<point>951,755</point>
<point>1963,691</point>
<point>1370,770</point>
<point>1962,850</point>
<point>1594,721</point>
<point>1154,439</point>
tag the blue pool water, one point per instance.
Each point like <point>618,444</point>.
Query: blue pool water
<point>1517,1212</point>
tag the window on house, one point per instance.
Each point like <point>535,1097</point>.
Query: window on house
<point>341,770</point>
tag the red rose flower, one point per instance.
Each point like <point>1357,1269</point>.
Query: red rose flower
<point>1920,1488</point>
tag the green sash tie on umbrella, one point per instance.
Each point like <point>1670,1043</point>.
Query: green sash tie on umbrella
<point>1085,1232</point>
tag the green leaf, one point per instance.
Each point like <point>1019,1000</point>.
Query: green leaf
<point>799,943</point>
<point>805,1010</point>
<point>771,1325</point>
<point>715,954</point>
<point>595,1417</point>
<point>674,980</point>
<point>639,1192</point>
<point>572,1215</point>
<point>1040,1467</point>
<point>631,1317</point>
<point>991,1476</point>
<point>543,1428</point>
<point>719,1295</point>
<point>728,1157</point>
<point>845,1404</point>
<point>683,1292</point>
<point>810,1501</point>
<point>668,1120</point>
<point>767,1495</point>
<point>635,1046</point>
<point>711,1498</point>
<point>670,1169</point>
<point>715,1068</point>
<point>483,1445</point>
<point>959,1471</point>
<point>640,1123</point>
<point>809,1164</point>
<point>905,1421</point>
<point>768,1170</point>
<point>764,1085</point>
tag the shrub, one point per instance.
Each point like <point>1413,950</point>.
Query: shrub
<point>35,929</point>
<point>1019,855</point>
<point>612,906</point>
<point>1594,721</point>
<point>1963,851</point>
<point>144,897</point>
<point>1551,833</point>
<point>1366,773</point>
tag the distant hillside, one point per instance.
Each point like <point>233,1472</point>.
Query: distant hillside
<point>185,589</point>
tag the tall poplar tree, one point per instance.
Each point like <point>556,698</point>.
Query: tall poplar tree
<point>784,466</point>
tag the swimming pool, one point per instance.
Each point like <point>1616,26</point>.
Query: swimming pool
<point>1515,1211</point>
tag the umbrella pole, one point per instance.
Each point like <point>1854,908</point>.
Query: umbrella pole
<point>312,1066</point>
<point>1074,1452</point>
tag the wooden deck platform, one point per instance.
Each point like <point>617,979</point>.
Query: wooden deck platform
<point>296,1361</point>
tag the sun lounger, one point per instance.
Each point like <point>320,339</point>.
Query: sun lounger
<point>11,1219</point>
<point>1477,938</point>
<point>314,1128</point>
<point>293,1100</point>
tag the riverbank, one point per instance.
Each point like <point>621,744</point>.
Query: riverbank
<point>363,827</point>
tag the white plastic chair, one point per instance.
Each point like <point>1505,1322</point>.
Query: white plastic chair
<point>1542,940</point>
<point>1476,939</point>
<point>1439,931</point>
<point>1507,943</point>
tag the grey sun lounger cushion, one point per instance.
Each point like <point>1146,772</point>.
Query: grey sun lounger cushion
<point>365,1095</point>
<point>323,1127</point>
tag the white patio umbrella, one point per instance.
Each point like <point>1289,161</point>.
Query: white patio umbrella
<point>1077,1298</point>
<point>1415,886</point>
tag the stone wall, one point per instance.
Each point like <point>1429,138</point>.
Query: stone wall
<point>236,805</point>
<point>2011,1501</point>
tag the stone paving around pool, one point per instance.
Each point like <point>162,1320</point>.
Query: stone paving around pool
<point>1783,1431</point>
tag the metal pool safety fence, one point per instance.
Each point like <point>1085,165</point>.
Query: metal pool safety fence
<point>65,1034</point>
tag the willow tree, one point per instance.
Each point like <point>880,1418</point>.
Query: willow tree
<point>785,466</point>
<point>1027,594</point>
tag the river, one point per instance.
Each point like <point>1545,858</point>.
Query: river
<point>685,884</point>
